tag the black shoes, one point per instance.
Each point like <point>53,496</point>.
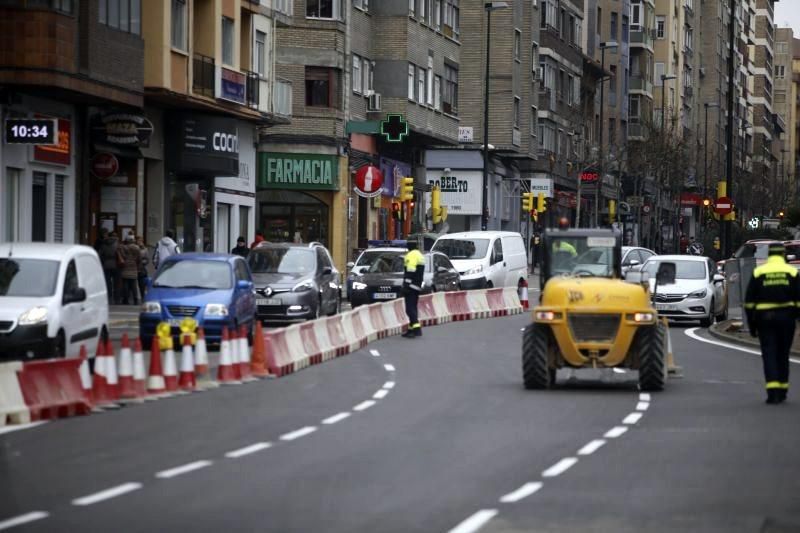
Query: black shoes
<point>775,396</point>
<point>412,333</point>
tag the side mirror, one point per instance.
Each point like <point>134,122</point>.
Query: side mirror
<point>327,271</point>
<point>634,262</point>
<point>244,285</point>
<point>350,264</point>
<point>442,269</point>
<point>719,278</point>
<point>77,295</point>
<point>666,273</point>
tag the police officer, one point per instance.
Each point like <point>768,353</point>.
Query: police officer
<point>412,285</point>
<point>770,304</point>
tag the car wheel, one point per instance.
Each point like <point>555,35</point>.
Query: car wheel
<point>489,285</point>
<point>706,322</point>
<point>59,346</point>
<point>723,315</point>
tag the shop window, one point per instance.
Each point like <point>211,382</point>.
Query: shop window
<point>124,15</point>
<point>39,207</point>
<point>223,224</point>
<point>320,87</point>
<point>244,221</point>
<point>289,216</point>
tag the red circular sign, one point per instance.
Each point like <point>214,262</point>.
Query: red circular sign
<point>724,205</point>
<point>368,181</point>
<point>104,165</point>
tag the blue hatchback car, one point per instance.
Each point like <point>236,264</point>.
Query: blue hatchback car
<point>214,289</point>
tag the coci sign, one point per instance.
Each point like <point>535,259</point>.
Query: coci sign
<point>225,142</point>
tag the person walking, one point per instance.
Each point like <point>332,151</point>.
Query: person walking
<point>110,261</point>
<point>165,248</point>
<point>259,239</point>
<point>771,308</point>
<point>241,248</point>
<point>144,260</point>
<point>414,263</point>
<point>131,256</point>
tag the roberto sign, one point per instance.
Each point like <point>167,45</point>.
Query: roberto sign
<point>203,145</point>
<point>310,172</point>
<point>461,190</point>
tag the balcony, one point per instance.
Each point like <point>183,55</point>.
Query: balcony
<point>252,91</point>
<point>780,125</point>
<point>282,97</point>
<point>641,38</point>
<point>204,73</point>
<point>283,7</point>
<point>635,132</point>
<point>547,101</point>
<point>638,84</point>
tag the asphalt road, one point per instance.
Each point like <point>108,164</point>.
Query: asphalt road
<point>451,442</point>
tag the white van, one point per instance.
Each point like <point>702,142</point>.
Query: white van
<point>53,299</point>
<point>486,258</point>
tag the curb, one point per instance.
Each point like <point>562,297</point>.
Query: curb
<point>721,335</point>
<point>124,322</point>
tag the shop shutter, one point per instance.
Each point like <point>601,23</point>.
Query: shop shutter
<point>58,208</point>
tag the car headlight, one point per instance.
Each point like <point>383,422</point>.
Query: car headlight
<point>474,270</point>
<point>34,315</point>
<point>216,310</point>
<point>546,316</point>
<point>303,286</point>
<point>151,308</point>
<point>642,317</point>
<point>697,294</point>
<point>358,286</point>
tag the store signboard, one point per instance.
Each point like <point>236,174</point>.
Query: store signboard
<point>304,172</point>
<point>393,171</point>
<point>59,153</point>
<point>543,185</point>
<point>460,190</point>
<point>203,145</point>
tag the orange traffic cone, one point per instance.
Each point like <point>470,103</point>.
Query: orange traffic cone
<point>201,370</point>
<point>226,374</point>
<point>155,380</point>
<point>170,369</point>
<point>244,355</point>
<point>85,373</point>
<point>104,381</point>
<point>186,379</point>
<point>523,294</point>
<point>259,363</point>
<point>126,388</point>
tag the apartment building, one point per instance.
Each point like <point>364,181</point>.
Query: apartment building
<point>82,64</point>
<point>795,170</point>
<point>785,106</point>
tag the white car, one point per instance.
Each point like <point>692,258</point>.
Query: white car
<point>486,259</point>
<point>596,260</point>
<point>53,300</point>
<point>699,291</point>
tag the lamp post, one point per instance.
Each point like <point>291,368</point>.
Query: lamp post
<point>664,78</point>
<point>489,7</point>
<point>599,186</point>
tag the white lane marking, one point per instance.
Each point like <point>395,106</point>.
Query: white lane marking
<point>107,494</point>
<point>615,432</point>
<point>522,329</point>
<point>644,397</point>
<point>23,519</point>
<point>247,450</point>
<point>591,447</point>
<point>560,467</point>
<point>691,333</point>
<point>336,418</point>
<point>388,385</point>
<point>619,370</point>
<point>20,427</point>
<point>389,368</point>
<point>475,522</point>
<point>375,353</point>
<point>299,433</point>
<point>632,418</point>
<point>523,492</point>
<point>364,405</point>
<point>184,469</point>
<point>642,406</point>
<point>380,394</point>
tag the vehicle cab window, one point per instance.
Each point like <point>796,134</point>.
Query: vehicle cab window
<point>71,279</point>
<point>497,251</point>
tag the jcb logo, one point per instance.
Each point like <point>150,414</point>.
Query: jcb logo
<point>574,296</point>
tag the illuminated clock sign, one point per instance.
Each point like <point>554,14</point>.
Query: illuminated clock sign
<point>31,131</point>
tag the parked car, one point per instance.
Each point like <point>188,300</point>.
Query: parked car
<point>53,300</point>
<point>699,292</point>
<point>486,259</point>
<point>294,281</point>
<point>368,256</point>
<point>793,252</point>
<point>216,290</point>
<point>634,255</point>
<point>383,280</point>
<point>758,248</point>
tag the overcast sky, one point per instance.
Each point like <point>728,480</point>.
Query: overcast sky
<point>787,14</point>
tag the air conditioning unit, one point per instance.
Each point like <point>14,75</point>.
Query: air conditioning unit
<point>374,102</point>
<point>368,93</point>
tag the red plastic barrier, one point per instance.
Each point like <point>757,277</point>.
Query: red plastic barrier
<point>427,311</point>
<point>378,322</point>
<point>336,335</point>
<point>53,389</point>
<point>497,302</point>
<point>458,305</point>
<point>279,359</point>
<point>310,344</point>
<point>358,328</point>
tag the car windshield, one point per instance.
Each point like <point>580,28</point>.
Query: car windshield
<point>366,259</point>
<point>28,277</point>
<point>386,262</point>
<point>462,248</point>
<point>284,260</point>
<point>194,274</point>
<point>582,256</point>
<point>683,269</point>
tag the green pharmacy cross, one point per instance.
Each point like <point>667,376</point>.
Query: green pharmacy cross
<point>394,128</point>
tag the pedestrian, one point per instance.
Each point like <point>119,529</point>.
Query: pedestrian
<point>131,256</point>
<point>771,308</point>
<point>165,248</point>
<point>101,236</point>
<point>414,263</point>
<point>241,248</point>
<point>110,260</point>
<point>259,238</point>
<point>144,260</point>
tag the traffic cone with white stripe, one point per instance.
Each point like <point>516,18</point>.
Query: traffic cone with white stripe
<point>186,380</point>
<point>139,376</point>
<point>226,374</point>
<point>126,390</point>
<point>155,380</point>
<point>170,369</point>
<point>201,372</point>
<point>258,363</point>
<point>244,355</point>
<point>523,294</point>
<point>104,382</point>
<point>85,373</point>
<point>235,360</point>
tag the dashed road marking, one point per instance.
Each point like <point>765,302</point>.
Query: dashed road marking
<point>247,450</point>
<point>388,385</point>
<point>389,368</point>
<point>560,467</point>
<point>364,405</point>
<point>475,522</point>
<point>23,519</point>
<point>523,492</point>
<point>292,435</point>
<point>335,418</point>
<point>591,447</point>
<point>375,353</point>
<point>615,432</point>
<point>632,418</point>
<point>644,397</point>
<point>642,406</point>
<point>380,394</point>
<point>107,494</point>
<point>184,469</point>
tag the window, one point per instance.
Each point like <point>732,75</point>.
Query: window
<point>599,26</point>
<point>39,210</point>
<point>661,26</point>
<point>517,103</point>
<point>780,97</point>
<point>412,71</point>
<point>227,41</point>
<point>71,279</point>
<point>543,15</point>
<point>423,9</point>
<point>578,32</point>
<point>357,80</point>
<point>614,22</point>
<point>659,71</point>
<point>450,100</point>
<point>320,86</point>
<point>366,67</point>
<point>125,15</point>
<point>625,27</point>
<point>437,93</point>
<point>612,131</point>
<point>570,90</point>
<point>535,61</point>
<point>451,18</point>
<point>179,21</point>
<point>612,84</point>
<point>782,48</point>
<point>429,82</point>
<point>411,5</point>
<point>361,4</point>
<point>688,38</point>
<point>58,208</point>
<point>323,9</point>
<point>636,14</point>
<point>437,14</point>
<point>260,54</point>
<point>517,45</point>
<point>421,85</point>
<point>534,122</point>
<point>780,71</point>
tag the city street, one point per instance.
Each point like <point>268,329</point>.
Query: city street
<point>429,434</point>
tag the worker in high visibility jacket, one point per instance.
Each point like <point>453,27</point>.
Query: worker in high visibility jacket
<point>412,286</point>
<point>771,306</point>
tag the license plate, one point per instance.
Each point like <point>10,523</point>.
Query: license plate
<point>175,322</point>
<point>385,295</point>
<point>666,307</point>
<point>268,301</point>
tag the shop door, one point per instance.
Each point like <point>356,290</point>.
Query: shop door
<point>223,228</point>
<point>39,208</point>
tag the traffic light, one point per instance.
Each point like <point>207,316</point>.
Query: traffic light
<point>781,213</point>
<point>436,204</point>
<point>541,207</point>
<point>527,202</point>
<point>706,202</point>
<point>612,210</point>
<point>407,189</point>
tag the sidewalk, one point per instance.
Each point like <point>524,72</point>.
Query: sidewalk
<point>123,315</point>
<point>731,330</point>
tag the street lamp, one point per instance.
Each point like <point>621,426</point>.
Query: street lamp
<point>599,186</point>
<point>489,7</point>
<point>664,78</point>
